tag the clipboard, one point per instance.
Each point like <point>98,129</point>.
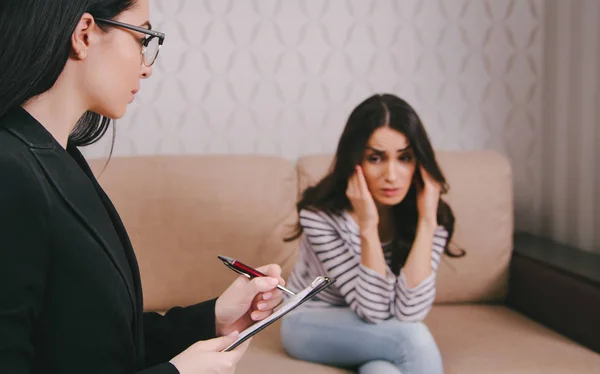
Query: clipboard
<point>318,285</point>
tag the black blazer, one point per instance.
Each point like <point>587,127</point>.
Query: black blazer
<point>70,292</point>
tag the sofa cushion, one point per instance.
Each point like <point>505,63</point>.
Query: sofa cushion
<point>495,339</point>
<point>183,211</point>
<point>472,339</point>
<point>481,196</point>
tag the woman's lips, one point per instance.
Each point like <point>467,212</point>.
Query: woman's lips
<point>390,192</point>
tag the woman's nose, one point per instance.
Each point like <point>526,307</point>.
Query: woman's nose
<point>391,173</point>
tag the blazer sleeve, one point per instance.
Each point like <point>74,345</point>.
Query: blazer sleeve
<point>166,336</point>
<point>23,262</point>
<point>166,368</point>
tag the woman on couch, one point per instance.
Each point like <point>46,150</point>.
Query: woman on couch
<point>70,292</point>
<point>377,224</point>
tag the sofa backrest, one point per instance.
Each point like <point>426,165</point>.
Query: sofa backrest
<point>481,197</point>
<point>183,211</point>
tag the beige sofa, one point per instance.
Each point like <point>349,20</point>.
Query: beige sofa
<point>183,211</point>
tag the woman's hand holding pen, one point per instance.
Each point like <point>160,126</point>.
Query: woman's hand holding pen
<point>243,302</point>
<point>247,301</point>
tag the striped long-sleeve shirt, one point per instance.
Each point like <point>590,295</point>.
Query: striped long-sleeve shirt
<point>330,245</point>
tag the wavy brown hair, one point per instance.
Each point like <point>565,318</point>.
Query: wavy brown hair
<point>329,194</point>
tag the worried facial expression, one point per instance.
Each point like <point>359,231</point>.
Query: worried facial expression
<point>389,166</point>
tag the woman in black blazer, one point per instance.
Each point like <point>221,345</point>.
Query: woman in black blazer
<point>70,293</point>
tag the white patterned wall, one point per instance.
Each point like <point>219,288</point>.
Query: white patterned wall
<point>280,77</point>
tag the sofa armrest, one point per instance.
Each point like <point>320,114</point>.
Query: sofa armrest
<point>558,286</point>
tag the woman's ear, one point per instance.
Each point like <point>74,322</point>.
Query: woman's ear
<point>80,39</point>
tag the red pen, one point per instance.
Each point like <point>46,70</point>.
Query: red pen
<point>247,271</point>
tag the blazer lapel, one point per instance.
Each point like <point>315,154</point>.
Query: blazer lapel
<point>121,232</point>
<point>114,217</point>
<point>75,187</point>
<point>79,192</point>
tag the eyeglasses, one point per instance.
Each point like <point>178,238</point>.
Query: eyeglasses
<point>150,46</point>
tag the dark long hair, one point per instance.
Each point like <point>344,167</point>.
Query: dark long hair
<point>36,43</point>
<point>329,194</point>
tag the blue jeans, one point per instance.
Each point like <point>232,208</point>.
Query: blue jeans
<point>338,337</point>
